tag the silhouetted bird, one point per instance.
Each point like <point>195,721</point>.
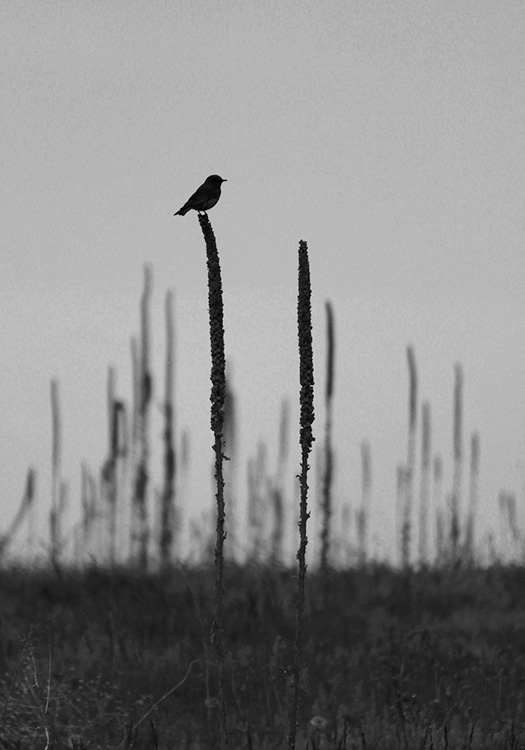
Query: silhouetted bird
<point>204,197</point>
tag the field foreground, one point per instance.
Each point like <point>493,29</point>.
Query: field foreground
<point>433,659</point>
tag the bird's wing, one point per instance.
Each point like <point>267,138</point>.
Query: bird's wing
<point>200,195</point>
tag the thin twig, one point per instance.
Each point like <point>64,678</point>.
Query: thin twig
<point>48,689</point>
<point>155,705</point>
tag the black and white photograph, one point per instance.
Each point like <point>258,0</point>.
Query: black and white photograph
<point>262,375</point>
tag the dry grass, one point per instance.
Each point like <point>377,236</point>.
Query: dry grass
<point>434,659</point>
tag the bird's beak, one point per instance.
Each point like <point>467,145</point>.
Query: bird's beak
<point>225,180</point>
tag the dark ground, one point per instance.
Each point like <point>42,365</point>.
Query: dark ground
<point>433,659</point>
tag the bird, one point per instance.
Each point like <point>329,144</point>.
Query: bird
<point>205,197</point>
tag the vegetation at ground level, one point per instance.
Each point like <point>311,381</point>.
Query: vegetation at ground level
<point>112,659</point>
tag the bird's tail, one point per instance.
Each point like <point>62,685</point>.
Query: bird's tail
<point>182,211</point>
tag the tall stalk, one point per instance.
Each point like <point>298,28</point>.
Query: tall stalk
<point>123,467</point>
<point>424,492</point>
<point>31,491</point>
<point>401,471</point>
<point>109,469</point>
<point>458,460</point>
<point>406,532</point>
<point>140,496</point>
<point>306,400</point>
<point>437,502</point>
<point>167,510</point>
<point>132,511</point>
<point>366,494</point>
<point>328,463</point>
<point>217,398</point>
<point>90,512</point>
<point>56,467</point>
<point>510,535</point>
<point>473,496</point>
<point>25,506</point>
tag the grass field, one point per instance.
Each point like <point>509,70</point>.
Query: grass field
<point>429,659</point>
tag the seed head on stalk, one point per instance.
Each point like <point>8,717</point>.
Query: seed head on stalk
<point>306,400</point>
<point>217,398</point>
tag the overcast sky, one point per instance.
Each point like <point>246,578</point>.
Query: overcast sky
<point>388,135</point>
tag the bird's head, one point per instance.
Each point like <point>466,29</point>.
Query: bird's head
<point>214,179</point>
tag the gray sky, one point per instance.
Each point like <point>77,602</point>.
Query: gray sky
<point>389,135</point>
